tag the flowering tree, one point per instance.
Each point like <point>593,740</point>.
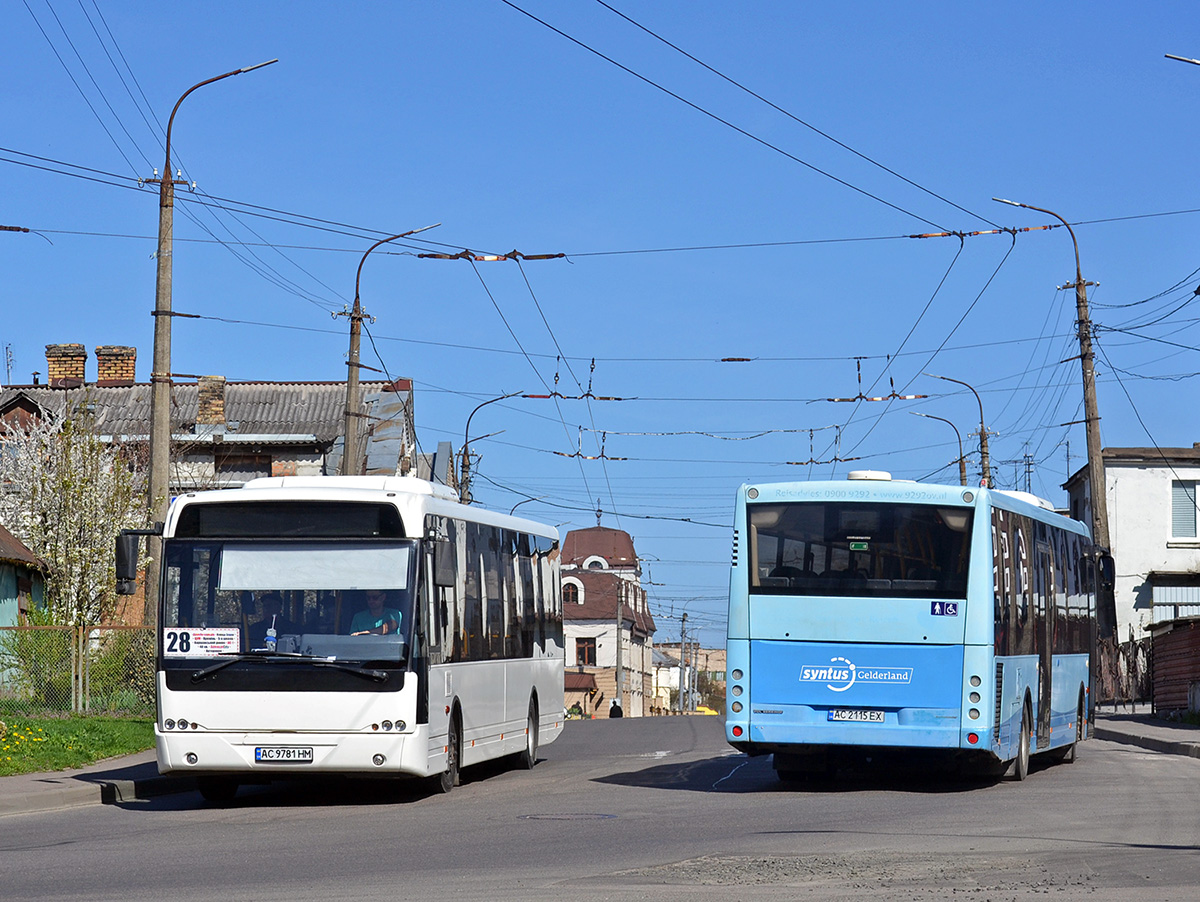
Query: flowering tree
<point>66,493</point>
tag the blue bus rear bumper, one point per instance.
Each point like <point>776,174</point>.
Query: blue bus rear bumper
<point>905,728</point>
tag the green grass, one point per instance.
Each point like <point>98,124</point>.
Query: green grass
<point>33,745</point>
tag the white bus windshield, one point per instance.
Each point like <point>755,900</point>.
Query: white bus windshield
<point>346,599</point>
<point>862,549</point>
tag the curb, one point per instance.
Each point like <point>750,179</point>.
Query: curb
<point>113,792</point>
<point>74,794</point>
<point>1188,749</point>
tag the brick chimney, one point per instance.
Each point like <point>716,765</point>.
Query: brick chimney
<point>65,365</point>
<point>116,365</point>
<point>212,400</point>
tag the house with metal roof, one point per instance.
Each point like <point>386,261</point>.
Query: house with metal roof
<point>225,433</point>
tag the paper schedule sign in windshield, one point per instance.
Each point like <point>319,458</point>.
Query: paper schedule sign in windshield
<point>201,642</point>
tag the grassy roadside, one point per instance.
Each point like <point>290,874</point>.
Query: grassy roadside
<point>30,745</point>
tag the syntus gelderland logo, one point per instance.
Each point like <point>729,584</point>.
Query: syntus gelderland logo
<point>842,673</point>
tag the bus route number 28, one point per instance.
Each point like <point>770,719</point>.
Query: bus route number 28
<point>178,642</point>
<point>204,642</point>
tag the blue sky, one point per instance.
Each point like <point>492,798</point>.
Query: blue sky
<point>697,227</point>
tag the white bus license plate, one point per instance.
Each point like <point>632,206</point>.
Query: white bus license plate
<point>283,754</point>
<point>856,715</point>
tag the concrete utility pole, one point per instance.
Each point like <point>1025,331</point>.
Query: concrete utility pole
<point>464,482</point>
<point>1106,613</point>
<point>962,460</point>
<point>695,674</point>
<point>158,492</point>
<point>985,463</point>
<point>682,658</point>
<point>619,674</point>
<point>350,450</point>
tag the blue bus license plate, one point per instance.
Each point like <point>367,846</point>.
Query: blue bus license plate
<point>856,715</point>
<point>283,754</point>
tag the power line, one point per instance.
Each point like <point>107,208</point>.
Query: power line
<point>717,118</point>
<point>579,509</point>
<point>528,359</point>
<point>67,69</point>
<point>791,116</point>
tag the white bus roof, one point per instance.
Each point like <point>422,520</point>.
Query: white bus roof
<point>408,484</point>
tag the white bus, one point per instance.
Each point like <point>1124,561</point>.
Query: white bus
<point>354,625</point>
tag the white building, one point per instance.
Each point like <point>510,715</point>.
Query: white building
<point>1153,525</point>
<point>607,624</point>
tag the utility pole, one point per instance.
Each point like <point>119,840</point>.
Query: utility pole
<point>682,658</point>
<point>962,460</point>
<point>464,482</point>
<point>1106,613</point>
<point>351,414</point>
<point>158,491</point>
<point>985,464</point>
<point>619,675</point>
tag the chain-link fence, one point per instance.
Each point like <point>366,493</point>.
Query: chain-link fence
<point>82,670</point>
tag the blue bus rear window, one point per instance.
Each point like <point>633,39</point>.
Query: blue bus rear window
<point>859,549</point>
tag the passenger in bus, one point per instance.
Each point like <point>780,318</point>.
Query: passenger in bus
<point>379,618</point>
<point>272,611</point>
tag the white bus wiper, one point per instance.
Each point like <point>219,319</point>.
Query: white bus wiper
<point>234,657</point>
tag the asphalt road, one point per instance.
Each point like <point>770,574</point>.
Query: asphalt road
<point>639,809</point>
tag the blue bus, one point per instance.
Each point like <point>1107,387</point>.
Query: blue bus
<point>872,615</point>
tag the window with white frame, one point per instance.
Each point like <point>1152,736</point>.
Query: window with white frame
<point>1183,508</point>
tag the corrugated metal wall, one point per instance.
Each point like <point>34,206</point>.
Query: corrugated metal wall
<point>1176,665</point>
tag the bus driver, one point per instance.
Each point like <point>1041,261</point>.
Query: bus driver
<point>377,618</point>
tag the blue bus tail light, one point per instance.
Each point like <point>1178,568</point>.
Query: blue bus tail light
<point>973,738</point>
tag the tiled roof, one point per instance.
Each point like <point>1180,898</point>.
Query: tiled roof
<point>614,545</point>
<point>251,408</point>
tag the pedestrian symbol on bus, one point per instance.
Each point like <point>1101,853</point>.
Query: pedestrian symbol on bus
<point>943,608</point>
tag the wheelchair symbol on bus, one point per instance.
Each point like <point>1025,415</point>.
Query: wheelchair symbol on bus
<point>943,608</point>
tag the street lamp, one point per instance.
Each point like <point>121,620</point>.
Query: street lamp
<point>962,461</point>
<point>350,452</point>
<point>526,501</point>
<point>158,494</point>
<point>464,488</point>
<point>985,461</point>
<point>1091,413</point>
